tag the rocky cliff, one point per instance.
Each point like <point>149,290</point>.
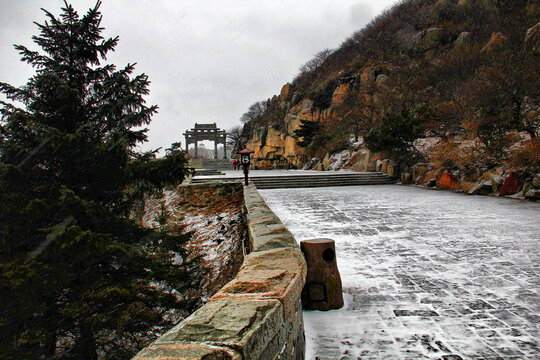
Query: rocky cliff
<point>465,71</point>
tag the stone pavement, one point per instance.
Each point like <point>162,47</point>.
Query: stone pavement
<point>426,274</point>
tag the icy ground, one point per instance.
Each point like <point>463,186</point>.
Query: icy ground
<point>426,274</point>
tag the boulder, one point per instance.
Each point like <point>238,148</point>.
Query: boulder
<point>467,186</point>
<point>369,163</point>
<point>484,188</point>
<point>419,171</point>
<point>405,178</point>
<point>356,158</point>
<point>447,181</point>
<point>431,39</point>
<point>472,176</point>
<point>384,165</point>
<point>392,169</point>
<point>511,185</point>
<point>488,174</point>
<point>326,161</point>
<point>463,40</point>
<point>430,176</point>
<point>311,164</point>
<point>498,41</point>
<point>408,37</point>
<point>526,187</point>
<point>496,181</point>
<point>285,91</point>
<point>536,181</point>
<point>533,194</point>
<point>430,183</point>
<point>532,38</point>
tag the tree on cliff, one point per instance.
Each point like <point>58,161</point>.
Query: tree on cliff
<point>78,278</point>
<point>234,138</point>
<point>314,63</point>
<point>255,112</point>
<point>307,131</point>
<point>356,112</point>
<point>395,135</point>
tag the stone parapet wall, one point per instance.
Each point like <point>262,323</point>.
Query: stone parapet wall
<point>257,315</point>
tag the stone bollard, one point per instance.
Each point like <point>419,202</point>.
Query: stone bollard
<point>323,284</point>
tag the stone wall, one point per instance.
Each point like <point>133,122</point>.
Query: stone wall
<point>257,315</point>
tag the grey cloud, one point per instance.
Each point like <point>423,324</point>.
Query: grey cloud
<point>207,60</point>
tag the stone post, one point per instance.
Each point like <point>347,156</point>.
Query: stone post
<point>323,290</point>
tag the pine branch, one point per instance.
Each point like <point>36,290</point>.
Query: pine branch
<point>22,94</point>
<point>9,109</point>
<point>32,57</point>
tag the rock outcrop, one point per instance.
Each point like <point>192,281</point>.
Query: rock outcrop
<point>497,182</point>
<point>498,41</point>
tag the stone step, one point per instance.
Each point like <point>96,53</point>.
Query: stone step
<point>303,181</point>
<point>300,181</point>
<point>282,185</point>
<point>315,185</point>
<point>207,172</point>
<point>222,164</point>
<point>314,177</point>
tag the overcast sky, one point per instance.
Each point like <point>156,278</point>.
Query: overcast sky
<point>207,60</point>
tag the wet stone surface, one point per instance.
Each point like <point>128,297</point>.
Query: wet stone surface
<point>426,274</point>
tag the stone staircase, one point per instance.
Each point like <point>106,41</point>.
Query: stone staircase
<point>213,164</point>
<point>207,172</point>
<point>306,181</point>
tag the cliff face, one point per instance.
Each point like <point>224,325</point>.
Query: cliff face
<point>464,70</point>
<point>279,149</point>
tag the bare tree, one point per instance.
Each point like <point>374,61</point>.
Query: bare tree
<point>255,111</point>
<point>234,135</point>
<point>316,62</point>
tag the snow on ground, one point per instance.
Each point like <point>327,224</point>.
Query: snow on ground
<point>426,274</point>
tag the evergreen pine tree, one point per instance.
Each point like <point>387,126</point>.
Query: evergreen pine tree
<point>78,278</point>
<point>307,131</point>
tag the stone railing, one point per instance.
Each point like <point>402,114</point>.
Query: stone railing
<point>257,315</point>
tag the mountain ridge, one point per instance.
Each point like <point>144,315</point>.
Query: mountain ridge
<point>461,70</point>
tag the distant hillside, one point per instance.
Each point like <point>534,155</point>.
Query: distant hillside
<point>463,73</point>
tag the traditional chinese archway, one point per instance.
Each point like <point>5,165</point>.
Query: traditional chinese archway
<point>206,132</point>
